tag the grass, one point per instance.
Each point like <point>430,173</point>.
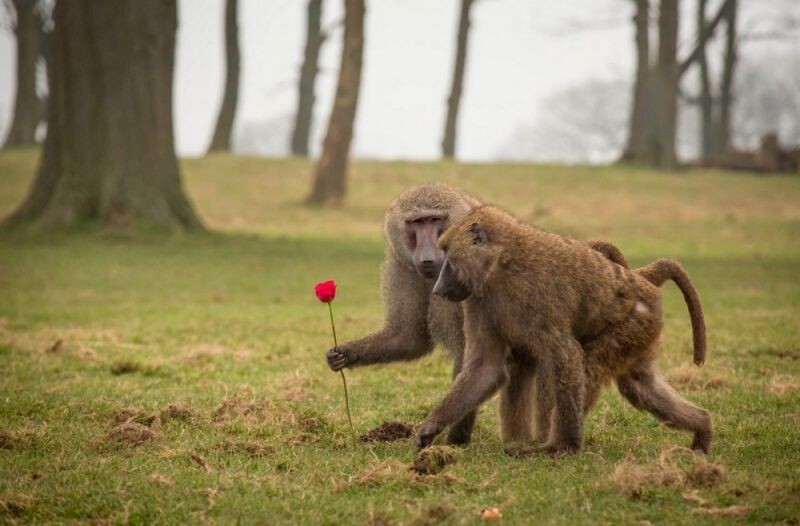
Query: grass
<point>189,383</point>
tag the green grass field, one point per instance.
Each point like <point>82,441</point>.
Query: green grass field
<point>225,327</point>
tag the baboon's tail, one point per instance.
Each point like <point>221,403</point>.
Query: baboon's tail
<point>661,270</point>
<point>609,251</point>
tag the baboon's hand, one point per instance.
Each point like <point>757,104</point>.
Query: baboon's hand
<point>337,359</point>
<point>427,432</point>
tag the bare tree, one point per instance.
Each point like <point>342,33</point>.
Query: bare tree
<point>227,112</point>
<point>641,86</point>
<point>308,79</point>
<point>722,135</point>
<point>330,178</point>
<point>109,155</point>
<point>27,107</point>
<point>454,100</point>
<point>706,100</point>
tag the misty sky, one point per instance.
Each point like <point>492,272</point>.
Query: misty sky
<point>520,51</point>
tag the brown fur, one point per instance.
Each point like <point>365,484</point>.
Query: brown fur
<point>582,319</point>
<point>416,319</point>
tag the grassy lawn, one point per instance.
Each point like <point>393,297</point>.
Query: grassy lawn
<point>225,328</point>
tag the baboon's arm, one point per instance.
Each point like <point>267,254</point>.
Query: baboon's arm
<point>404,335</point>
<point>483,374</point>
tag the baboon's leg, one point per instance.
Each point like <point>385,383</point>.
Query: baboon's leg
<point>647,390</point>
<point>566,432</point>
<point>483,374</point>
<point>544,403</point>
<point>516,402</point>
<point>461,432</point>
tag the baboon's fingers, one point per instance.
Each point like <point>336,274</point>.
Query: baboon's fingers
<point>336,360</point>
<point>427,432</point>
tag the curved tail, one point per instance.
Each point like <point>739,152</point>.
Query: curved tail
<point>661,270</point>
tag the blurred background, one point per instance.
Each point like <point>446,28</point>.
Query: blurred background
<point>544,81</point>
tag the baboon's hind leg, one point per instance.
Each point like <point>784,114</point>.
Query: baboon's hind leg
<point>647,390</point>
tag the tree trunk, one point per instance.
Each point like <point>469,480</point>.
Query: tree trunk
<point>660,148</point>
<point>454,101</point>
<point>109,153</point>
<point>641,86</point>
<point>723,132</point>
<point>308,79</point>
<point>222,134</point>
<point>706,100</point>
<point>27,110</point>
<point>331,174</point>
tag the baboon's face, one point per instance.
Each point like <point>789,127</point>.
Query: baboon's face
<point>449,286</point>
<point>469,260</point>
<point>422,232</point>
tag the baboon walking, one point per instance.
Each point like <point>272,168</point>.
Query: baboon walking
<point>580,318</point>
<point>416,319</point>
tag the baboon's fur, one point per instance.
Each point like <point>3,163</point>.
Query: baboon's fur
<point>415,318</point>
<point>573,319</point>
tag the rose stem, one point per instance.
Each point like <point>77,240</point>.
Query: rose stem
<point>344,380</point>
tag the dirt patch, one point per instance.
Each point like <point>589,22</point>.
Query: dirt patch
<point>247,448</point>
<point>57,345</point>
<point>175,412</point>
<point>127,434</point>
<point>388,432</point>
<point>434,459</point>
<point>633,480</point>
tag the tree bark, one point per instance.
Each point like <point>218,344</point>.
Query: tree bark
<point>308,79</point>
<point>723,132</point>
<point>641,87</point>
<point>706,100</point>
<point>454,101</point>
<point>331,173</point>
<point>109,154</point>
<point>660,147</point>
<point>221,140</point>
<point>27,109</point>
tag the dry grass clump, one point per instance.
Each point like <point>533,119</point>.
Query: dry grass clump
<point>690,378</point>
<point>8,440</point>
<point>248,448</point>
<point>121,367</point>
<point>632,480</point>
<point>434,459</point>
<point>133,414</point>
<point>15,505</point>
<point>174,412</point>
<point>238,408</point>
<point>783,383</point>
<point>126,435</point>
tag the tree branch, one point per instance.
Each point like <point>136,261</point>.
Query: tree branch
<point>704,35</point>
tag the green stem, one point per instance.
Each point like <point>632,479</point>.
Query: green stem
<point>344,380</point>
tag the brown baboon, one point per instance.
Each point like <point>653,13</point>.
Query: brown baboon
<point>415,318</point>
<point>581,318</point>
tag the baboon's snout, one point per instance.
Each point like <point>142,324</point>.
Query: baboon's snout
<point>448,286</point>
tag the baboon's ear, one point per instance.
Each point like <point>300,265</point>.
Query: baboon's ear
<point>479,234</point>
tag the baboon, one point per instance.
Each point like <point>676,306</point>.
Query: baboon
<point>415,318</point>
<point>582,319</point>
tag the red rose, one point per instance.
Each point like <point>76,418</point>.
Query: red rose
<point>325,290</point>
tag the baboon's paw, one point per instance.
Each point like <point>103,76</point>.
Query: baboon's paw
<point>427,432</point>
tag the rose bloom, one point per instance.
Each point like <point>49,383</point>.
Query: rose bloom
<point>325,290</point>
